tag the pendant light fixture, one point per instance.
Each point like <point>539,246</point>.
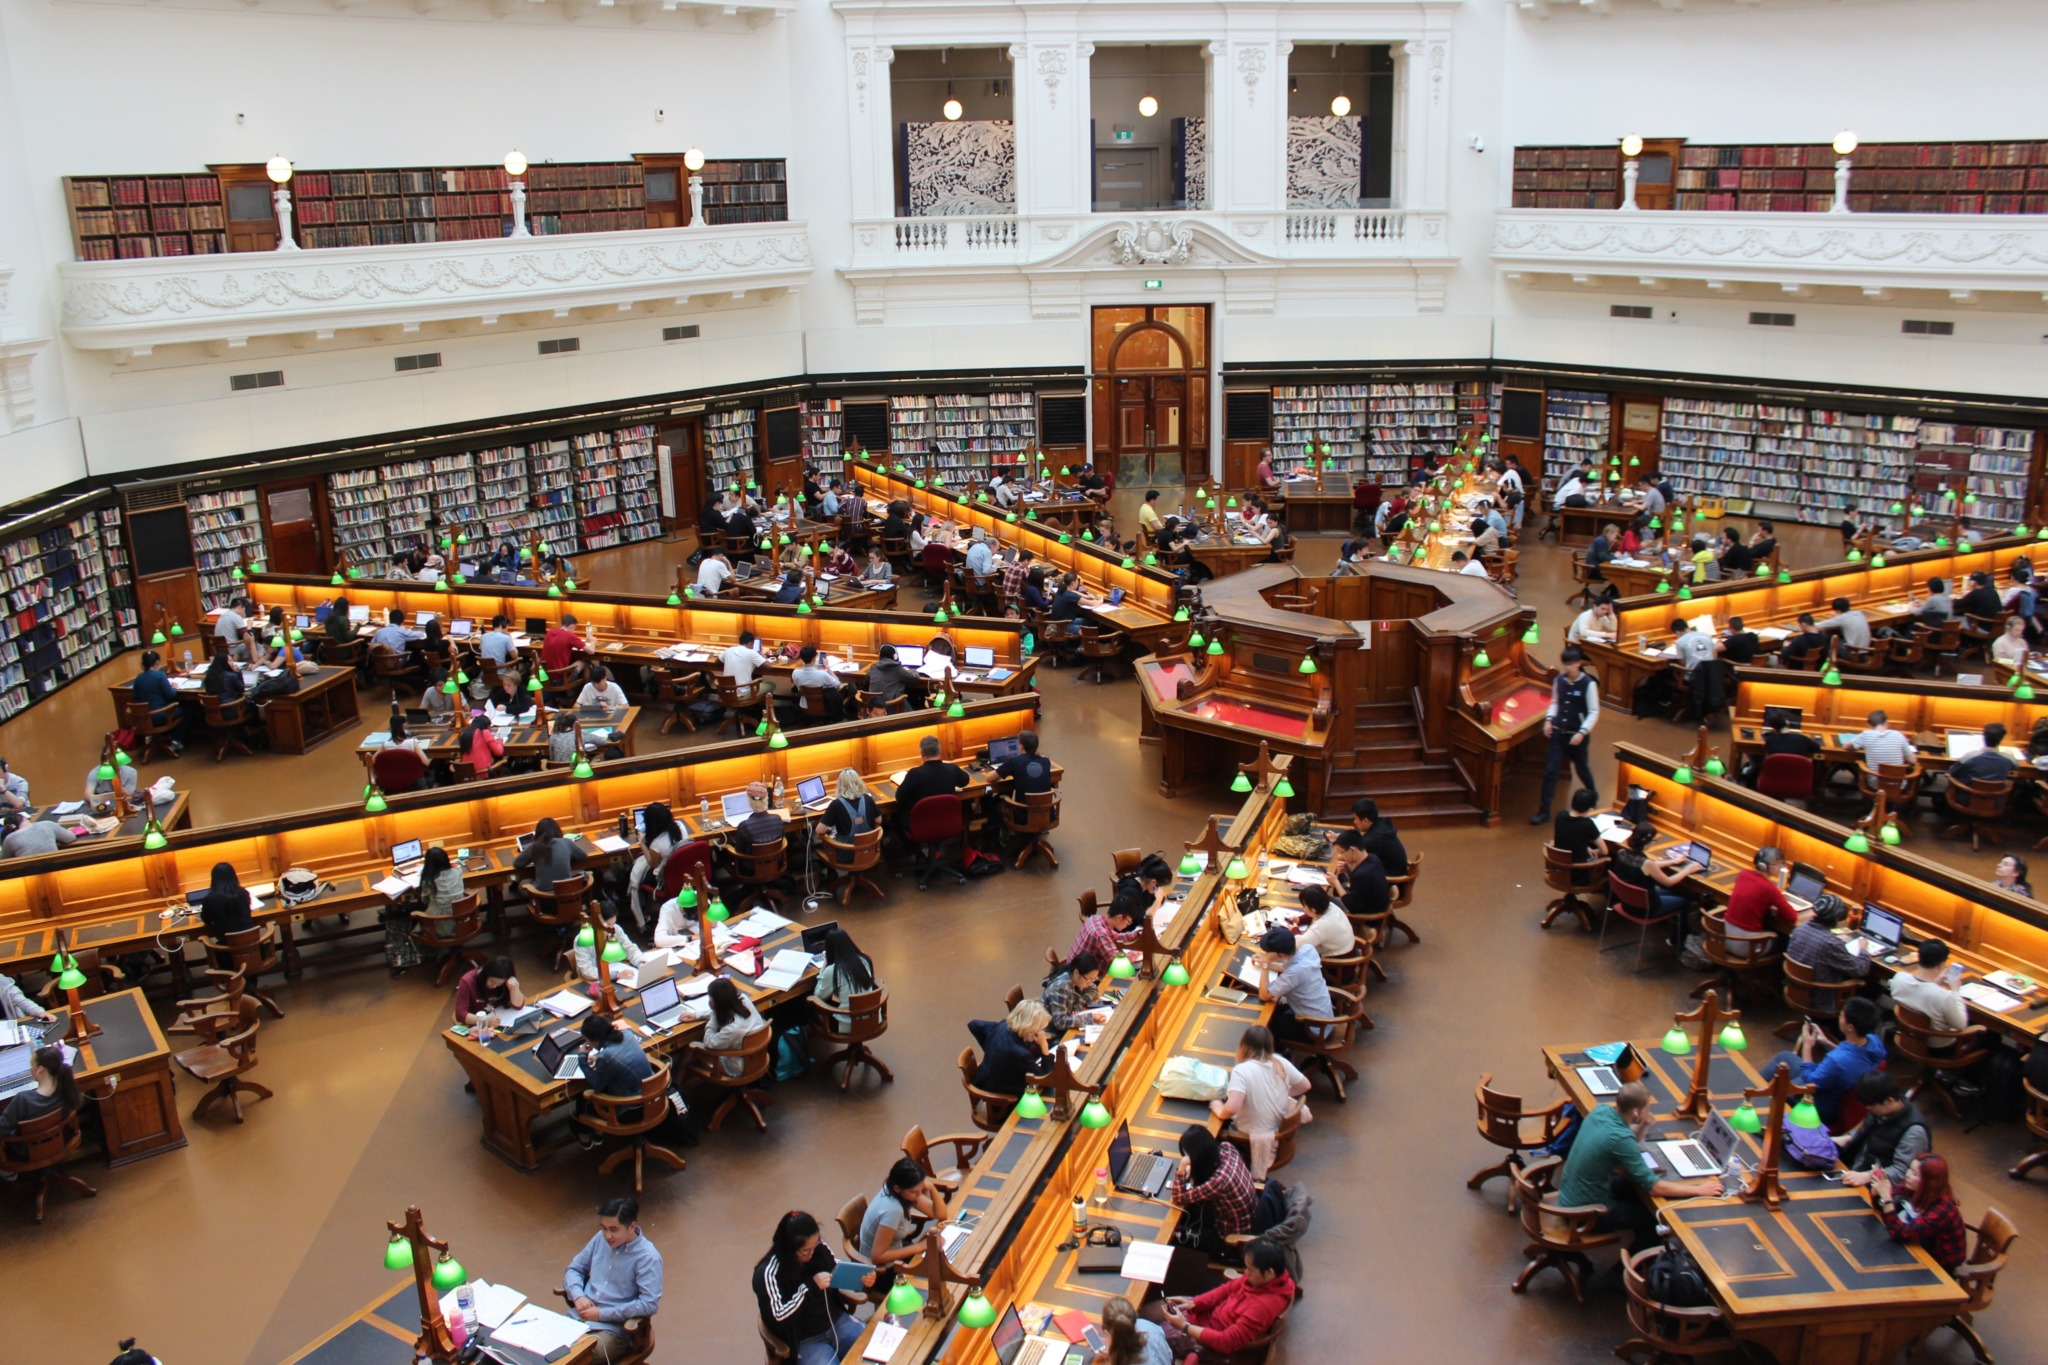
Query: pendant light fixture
<point>952,108</point>
<point>1148,104</point>
<point>1340,104</point>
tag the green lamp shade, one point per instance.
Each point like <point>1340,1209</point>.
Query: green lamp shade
<point>2020,530</point>
<point>1236,870</point>
<point>1663,585</point>
<point>440,585</point>
<point>375,802</point>
<point>121,756</point>
<point>462,538</point>
<point>277,642</point>
<point>105,772</point>
<point>1831,678</point>
<point>1964,547</point>
<point>1031,514</point>
<point>449,687</point>
<point>541,671</point>
<point>1175,974</point>
<point>448,1272</point>
<point>1803,1114</point>
<point>778,740</point>
<point>1241,784</point>
<point>63,962</point>
<point>354,572</point>
<point>1635,462</point>
<point>1095,1114</point>
<point>236,573</point>
<point>903,1300</point>
<point>1066,539</point>
<point>939,617</point>
<point>1283,789</point>
<point>1889,834</point>
<point>177,629</point>
<point>1088,536</point>
<point>1307,665</point>
<point>1128,563</point>
<point>554,590</point>
<point>762,728</point>
<point>71,980</point>
<point>1656,523</point>
<point>1784,576</point>
<point>1857,842</point>
<point>1745,1119</point>
<point>1676,1042</point>
<point>1482,660</point>
<point>1151,558</point>
<point>1683,777</point>
<point>2024,692</point>
<point>1032,1106</point>
<point>1215,646</point>
<point>675,599</point>
<point>1195,640</point>
<point>1731,1037</point>
<point>716,911</point>
<point>586,937</point>
<point>1011,518</point>
<point>1190,865</point>
<point>981,497</point>
<point>154,839</point>
<point>1531,635</point>
<point>568,585</point>
<point>803,608</point>
<point>614,951</point>
<point>1684,593</point>
<point>533,683</point>
<point>687,898</point>
<point>398,1254</point>
<point>1877,560</point>
<point>1120,967</point>
<point>977,1312</point>
<point>335,581</point>
<point>447,542</point>
<point>1763,571</point>
<point>1716,768</point>
<point>460,580</point>
<point>956,711</point>
<point>920,483</point>
<point>157,637</point>
<point>582,768</point>
<point>1855,553</point>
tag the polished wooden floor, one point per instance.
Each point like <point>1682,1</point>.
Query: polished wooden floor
<point>255,1239</point>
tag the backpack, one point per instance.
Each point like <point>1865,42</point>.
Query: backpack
<point>1674,1279</point>
<point>792,1057</point>
<point>1561,1145</point>
<point>1811,1148</point>
<point>1271,1210</point>
<point>2004,1088</point>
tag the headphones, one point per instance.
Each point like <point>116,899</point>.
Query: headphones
<point>1105,1237</point>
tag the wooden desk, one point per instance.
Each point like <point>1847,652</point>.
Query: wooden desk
<point>1819,1280</point>
<point>126,1069</point>
<point>323,707</point>
<point>1916,706</point>
<point>514,1093</point>
<point>1223,556</point>
<point>705,820</point>
<point>1989,929</point>
<point>1577,526</point>
<point>124,839</point>
<point>1325,503</point>
<point>842,593</point>
<point>384,1331</point>
<point>529,740</point>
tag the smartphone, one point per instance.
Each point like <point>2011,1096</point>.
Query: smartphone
<point>1953,974</point>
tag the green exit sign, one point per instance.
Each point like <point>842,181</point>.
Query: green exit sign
<point>1126,135</point>
<point>1155,284</point>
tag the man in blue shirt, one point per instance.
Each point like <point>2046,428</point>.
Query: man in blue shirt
<point>1291,979</point>
<point>980,559</point>
<point>616,1278</point>
<point>153,686</point>
<point>496,643</point>
<point>1832,1070</point>
<point>392,635</point>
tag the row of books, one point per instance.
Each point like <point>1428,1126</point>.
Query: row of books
<point>226,526</point>
<point>1382,430</point>
<point>71,610</point>
<point>993,430</point>
<point>824,435</point>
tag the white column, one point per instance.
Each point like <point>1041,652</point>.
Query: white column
<point>871,150</point>
<point>1422,128</point>
<point>1251,107</point>
<point>1025,147</point>
<point>1052,106</point>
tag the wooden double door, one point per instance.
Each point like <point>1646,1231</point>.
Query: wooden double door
<point>1151,391</point>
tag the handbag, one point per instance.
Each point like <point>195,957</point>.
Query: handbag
<point>1184,1078</point>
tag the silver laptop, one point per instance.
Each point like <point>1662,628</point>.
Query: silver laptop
<point>662,998</point>
<point>14,1068</point>
<point>558,1061</point>
<point>1881,930</point>
<point>1143,1173</point>
<point>1601,1080</point>
<point>1014,1347</point>
<point>737,807</point>
<point>1703,1154</point>
<point>811,792</point>
<point>407,859</point>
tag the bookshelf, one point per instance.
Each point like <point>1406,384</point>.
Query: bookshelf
<point>1996,461</point>
<point>1415,424</point>
<point>745,191</point>
<point>617,502</point>
<point>1890,177</point>
<point>1577,425</point>
<point>554,496</point>
<point>454,485</point>
<point>1307,417</point>
<point>910,426</point>
<point>227,526</point>
<point>69,607</point>
<point>355,503</point>
<point>824,438</point>
<point>729,449</point>
<point>505,493</point>
<point>1704,444</point>
<point>639,484</point>
<point>128,217</point>
<point>599,197</point>
<point>974,433</point>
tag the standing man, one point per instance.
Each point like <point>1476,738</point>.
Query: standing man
<point>615,1279</point>
<point>1568,726</point>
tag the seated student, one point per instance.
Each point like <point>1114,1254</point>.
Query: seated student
<point>1597,622</point>
<point>223,679</point>
<point>613,1064</point>
<point>1738,560</point>
<point>853,810</point>
<point>1014,1050</point>
<point>1893,1132</point>
<point>1575,833</point>
<point>1605,1167</point>
<point>1460,563</point>
<point>1757,907</point>
<point>1032,596</point>
<point>792,590</point>
<point>1982,600</point>
<point>1571,492</point>
<point>13,789</point>
<point>21,837</point>
<point>1939,606</point>
<point>836,561</point>
<point>1660,877</point>
<point>1815,946</point>
<point>53,1089</point>
<point>550,858</point>
<point>1093,486</point>
<point>1382,838</point>
<point>1779,739</point>
<point>438,702</point>
<point>1108,931</point>
<point>877,573</point>
<point>1763,543</point>
<point>226,909</point>
<point>711,521</point>
<point>2011,875</point>
<point>602,690</point>
<point>1265,1090</point>
<point>479,745</point>
<point>480,990</point>
<point>932,776</point>
<point>2011,647</point>
<point>660,835</point>
<point>615,1279</point>
<point>1882,744</point>
<point>809,674</point>
<point>584,959</point>
<point>1130,1339</point>
<point>793,1296</point>
<point>732,1021</point>
<point>1740,645</point>
<point>1705,567</point>
<point>1325,927</point>
<point>1145,886</point>
<point>1601,549</point>
<point>742,660</point>
<point>847,972</point>
<point>1804,642</point>
<point>887,678</point>
<point>1848,622</point>
<point>1930,989</point>
<point>1291,980</point>
<point>1214,1190</point>
<point>153,686</point>
<point>1028,773</point>
<point>1212,1327</point>
<point>562,740</point>
<point>714,571</point>
<point>1358,872</point>
<point>892,1230</point>
<point>1923,1209</point>
<point>1485,540</point>
<point>1832,1068</point>
<point>762,827</point>
<point>1987,764</point>
<point>393,635</point>
<point>1066,603</point>
<point>99,789</point>
<point>1072,996</point>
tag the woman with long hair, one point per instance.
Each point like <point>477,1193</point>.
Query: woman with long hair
<point>733,1020</point>
<point>1132,1340</point>
<point>847,972</point>
<point>1213,1185</point>
<point>660,835</point>
<point>480,745</point>
<point>792,1290</point>
<point>1923,1209</point>
<point>53,1090</point>
<point>481,990</point>
<point>549,858</point>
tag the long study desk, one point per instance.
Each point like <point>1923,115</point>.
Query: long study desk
<point>1990,930</point>
<point>385,1331</point>
<point>123,839</point>
<point>601,726</point>
<point>114,903</point>
<point>125,1069</point>
<point>323,706</point>
<point>1817,1280</point>
<point>1928,711</point>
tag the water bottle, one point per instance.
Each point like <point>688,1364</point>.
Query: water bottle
<point>1102,1184</point>
<point>188,660</point>
<point>778,789</point>
<point>1080,1218</point>
<point>704,810</point>
<point>465,1313</point>
<point>623,826</point>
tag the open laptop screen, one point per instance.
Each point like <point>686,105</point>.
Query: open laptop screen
<point>660,996</point>
<point>1805,885</point>
<point>1004,748</point>
<point>910,656</point>
<point>811,790</point>
<point>1790,713</point>
<point>409,851</point>
<point>1881,924</point>
<point>737,807</point>
<point>980,656</point>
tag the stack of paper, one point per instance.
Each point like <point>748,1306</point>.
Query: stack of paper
<point>1989,997</point>
<point>1147,1261</point>
<point>1301,874</point>
<point>785,969</point>
<point>612,843</point>
<point>567,1004</point>
<point>883,1340</point>
<point>539,1330</point>
<point>495,1303</point>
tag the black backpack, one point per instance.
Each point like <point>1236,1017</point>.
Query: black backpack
<point>2003,1078</point>
<point>1675,1281</point>
<point>1271,1210</point>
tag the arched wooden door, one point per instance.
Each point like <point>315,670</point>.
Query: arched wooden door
<point>1152,391</point>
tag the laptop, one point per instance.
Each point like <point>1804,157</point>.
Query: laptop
<point>302,621</point>
<point>536,626</point>
<point>460,629</point>
<point>557,1061</point>
<point>1003,749</point>
<point>1702,1155</point>
<point>811,792</point>
<point>1143,1173</point>
<point>407,859</point>
<point>1804,886</point>
<point>1696,852</point>
<point>14,1067</point>
<point>814,940</point>
<point>1792,715</point>
<point>662,998</point>
<point>1881,930</point>
<point>910,656</point>
<point>418,715</point>
<point>980,656</point>
<point>359,616</point>
<point>525,842</point>
<point>1015,1347</point>
<point>1601,1080</point>
<point>736,806</point>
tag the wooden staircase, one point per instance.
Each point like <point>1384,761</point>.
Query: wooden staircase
<point>1386,762</point>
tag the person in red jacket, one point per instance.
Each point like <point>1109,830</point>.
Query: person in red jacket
<point>1233,1315</point>
<point>1756,907</point>
<point>560,646</point>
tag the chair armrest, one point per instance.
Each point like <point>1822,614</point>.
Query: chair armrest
<point>966,1146</point>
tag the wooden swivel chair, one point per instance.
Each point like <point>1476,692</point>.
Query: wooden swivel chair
<point>342,653</point>
<point>1403,896</point>
<point>631,1118</point>
<point>965,1146</point>
<point>1786,777</point>
<point>1587,584</point>
<point>639,1334</point>
<point>867,704</point>
<point>389,668</point>
<point>445,935</point>
<point>1978,1277</point>
<point>1283,1141</point>
<point>677,689</point>
<point>1630,903</point>
<point>1735,957</point>
<point>778,1350</point>
<point>1905,655</point>
<point>226,1054</point>
<point>1807,999</point>
<point>852,864</point>
<point>1102,654</point>
<point>707,1065</point>
<point>559,908</point>
<point>858,1022</point>
<point>2037,1127</point>
<point>850,1216</point>
<point>744,703</point>
<point>1030,820</point>
<point>1975,804</point>
<point>1665,1333</point>
<point>398,770</point>
<point>1900,783</point>
<point>1939,1053</point>
<point>1123,862</point>
<point>985,1108</point>
<point>814,706</point>
<point>39,1148</point>
<point>935,822</point>
<point>152,730</point>
<point>250,952</point>
<point>1559,1237</point>
<point>1504,1120</point>
<point>227,722</point>
<point>1340,1031</point>
<point>1571,881</point>
<point>1857,658</point>
<point>1978,632</point>
<point>230,987</point>
<point>761,868</point>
